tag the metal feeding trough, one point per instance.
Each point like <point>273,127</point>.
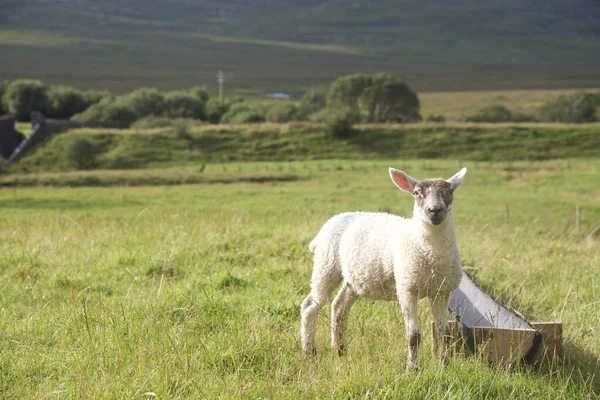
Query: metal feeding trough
<point>486,327</point>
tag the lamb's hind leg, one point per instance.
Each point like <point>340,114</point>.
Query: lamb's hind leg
<point>321,290</point>
<point>340,309</point>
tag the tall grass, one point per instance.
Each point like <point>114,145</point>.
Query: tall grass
<point>194,291</point>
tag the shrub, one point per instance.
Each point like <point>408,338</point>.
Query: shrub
<point>92,97</point>
<point>339,124</point>
<point>199,92</point>
<point>324,115</point>
<point>493,113</point>
<point>181,104</point>
<point>435,118</point>
<point>313,100</point>
<point>107,115</point>
<point>522,117</point>
<point>215,109</point>
<point>579,107</point>
<point>65,101</point>
<point>497,113</point>
<point>242,113</point>
<point>247,117</point>
<point>321,116</point>
<point>151,122</point>
<point>81,153</point>
<point>145,101</point>
<point>23,96</point>
<point>282,112</point>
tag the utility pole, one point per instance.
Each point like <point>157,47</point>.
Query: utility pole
<point>220,81</point>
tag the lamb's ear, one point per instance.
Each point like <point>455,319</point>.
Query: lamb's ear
<point>457,179</point>
<point>402,180</point>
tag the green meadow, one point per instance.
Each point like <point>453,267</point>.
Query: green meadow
<point>192,289</point>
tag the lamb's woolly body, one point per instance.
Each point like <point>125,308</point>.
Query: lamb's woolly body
<point>378,253</point>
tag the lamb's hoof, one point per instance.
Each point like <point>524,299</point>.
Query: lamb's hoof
<point>412,368</point>
<point>309,352</point>
<point>341,350</point>
<point>442,359</point>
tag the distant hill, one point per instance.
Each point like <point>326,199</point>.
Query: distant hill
<point>287,45</point>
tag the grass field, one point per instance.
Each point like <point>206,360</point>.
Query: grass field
<point>193,291</point>
<point>454,105</point>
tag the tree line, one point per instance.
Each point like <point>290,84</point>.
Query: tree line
<point>380,97</point>
<point>370,98</point>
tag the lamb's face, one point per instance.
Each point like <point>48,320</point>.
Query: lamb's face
<point>433,200</point>
<point>433,197</point>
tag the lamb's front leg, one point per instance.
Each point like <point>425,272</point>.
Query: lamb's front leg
<point>439,311</point>
<point>409,303</point>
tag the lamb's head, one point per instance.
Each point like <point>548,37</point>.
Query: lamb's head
<point>433,197</point>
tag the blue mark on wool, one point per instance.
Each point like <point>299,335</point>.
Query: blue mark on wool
<point>345,219</point>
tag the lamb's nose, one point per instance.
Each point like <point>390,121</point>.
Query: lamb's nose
<point>435,209</point>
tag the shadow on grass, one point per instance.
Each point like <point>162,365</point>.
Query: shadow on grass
<point>103,179</point>
<point>65,204</point>
<point>581,365</point>
<point>55,204</point>
<point>382,142</point>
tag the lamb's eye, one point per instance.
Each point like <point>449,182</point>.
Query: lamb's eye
<point>417,193</point>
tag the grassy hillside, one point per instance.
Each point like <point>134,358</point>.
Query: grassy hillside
<point>286,45</point>
<point>118,149</point>
<point>194,291</point>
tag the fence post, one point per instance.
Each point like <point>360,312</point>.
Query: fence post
<point>577,218</point>
<point>506,214</point>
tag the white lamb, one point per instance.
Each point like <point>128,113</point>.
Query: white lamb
<point>383,256</point>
